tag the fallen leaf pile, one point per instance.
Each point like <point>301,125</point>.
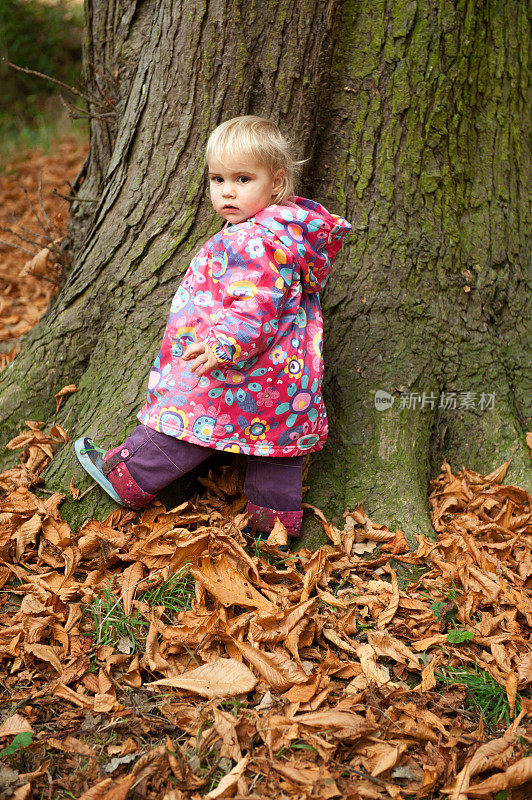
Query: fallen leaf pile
<point>32,218</point>
<point>304,675</point>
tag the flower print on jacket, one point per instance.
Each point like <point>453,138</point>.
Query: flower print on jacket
<point>294,367</point>
<point>252,293</point>
<point>257,429</point>
<point>267,397</point>
<point>278,355</point>
<point>255,247</point>
<point>203,299</point>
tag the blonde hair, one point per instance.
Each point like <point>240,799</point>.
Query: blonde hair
<point>261,140</point>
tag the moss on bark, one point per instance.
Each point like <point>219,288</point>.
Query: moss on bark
<point>430,297</point>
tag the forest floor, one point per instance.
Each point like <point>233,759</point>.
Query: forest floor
<point>168,655</point>
<point>33,216</point>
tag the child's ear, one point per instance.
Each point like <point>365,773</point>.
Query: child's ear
<point>278,182</point>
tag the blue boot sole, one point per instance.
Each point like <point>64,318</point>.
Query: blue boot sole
<point>81,446</point>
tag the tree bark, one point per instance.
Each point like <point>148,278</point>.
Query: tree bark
<point>430,147</point>
<point>414,116</point>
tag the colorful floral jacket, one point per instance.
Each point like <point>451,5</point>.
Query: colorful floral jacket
<point>251,292</point>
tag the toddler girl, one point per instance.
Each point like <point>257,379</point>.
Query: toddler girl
<point>240,365</point>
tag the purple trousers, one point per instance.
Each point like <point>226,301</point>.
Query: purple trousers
<point>149,460</point>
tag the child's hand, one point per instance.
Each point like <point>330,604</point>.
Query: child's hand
<point>205,360</point>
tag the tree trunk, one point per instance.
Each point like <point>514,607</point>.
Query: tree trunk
<point>414,118</point>
<point>428,128</point>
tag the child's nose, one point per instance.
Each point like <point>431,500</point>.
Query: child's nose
<point>229,189</point>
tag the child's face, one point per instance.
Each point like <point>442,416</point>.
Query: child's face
<point>240,187</point>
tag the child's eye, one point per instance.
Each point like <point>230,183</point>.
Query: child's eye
<point>216,179</point>
<point>244,178</point>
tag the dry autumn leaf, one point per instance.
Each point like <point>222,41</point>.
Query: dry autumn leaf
<point>279,535</point>
<point>14,725</point>
<point>64,392</point>
<point>74,492</point>
<point>228,783</point>
<point>481,760</point>
<point>276,668</point>
<point>349,722</point>
<point>222,678</point>
<point>228,585</point>
<point>131,577</point>
<point>46,653</point>
<point>516,775</point>
<point>373,672</point>
<point>511,691</point>
<point>39,264</point>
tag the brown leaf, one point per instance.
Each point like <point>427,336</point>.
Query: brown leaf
<point>276,668</point>
<point>14,725</point>
<point>333,533</point>
<point>306,775</point>
<point>320,778</point>
<point>101,790</point>
<point>222,678</point>
<point>276,627</point>
<point>152,656</point>
<point>74,493</point>
<point>59,433</point>
<point>302,693</point>
<point>424,644</point>
<point>228,783</point>
<point>418,729</point>
<point>380,675</point>
<point>133,677</point>
<point>278,535</point>
<point>386,645</point>
<point>22,440</point>
<point>105,703</point>
<point>38,265</point>
<point>381,757</point>
<point>511,691</point>
<point>516,775</point>
<point>388,614</point>
<point>225,724</point>
<point>45,653</point>
<point>228,585</point>
<point>131,577</point>
<point>22,501</point>
<point>330,599</point>
<point>363,547</point>
<point>65,693</point>
<point>335,638</point>
<point>497,476</point>
<point>27,534</point>
<point>71,745</point>
<point>428,679</point>
<point>128,746</point>
<point>23,792</point>
<point>64,392</point>
<point>346,724</point>
<point>481,760</point>
<point>524,669</point>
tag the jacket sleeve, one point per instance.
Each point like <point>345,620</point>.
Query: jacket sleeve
<point>254,284</point>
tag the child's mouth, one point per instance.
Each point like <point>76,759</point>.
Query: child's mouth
<point>230,208</point>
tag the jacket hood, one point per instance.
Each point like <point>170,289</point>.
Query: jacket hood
<point>311,233</point>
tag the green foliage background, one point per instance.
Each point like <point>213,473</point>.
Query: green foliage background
<point>41,35</point>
